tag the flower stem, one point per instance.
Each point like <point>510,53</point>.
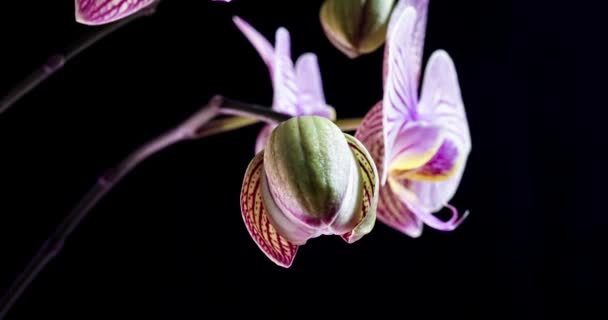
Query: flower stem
<point>57,61</point>
<point>187,130</point>
<point>232,123</point>
<point>349,124</point>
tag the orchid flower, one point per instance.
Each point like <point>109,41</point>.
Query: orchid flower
<point>311,179</point>
<point>420,144</point>
<point>297,90</point>
<point>98,12</point>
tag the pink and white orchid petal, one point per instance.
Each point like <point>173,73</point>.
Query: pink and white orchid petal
<point>400,95</point>
<point>416,144</point>
<point>370,134</point>
<point>97,12</point>
<point>261,45</point>
<point>284,78</point>
<point>276,247</point>
<point>369,182</point>
<point>311,99</point>
<point>391,211</point>
<point>416,43</point>
<point>395,214</point>
<point>260,142</point>
<point>423,213</point>
<point>441,102</point>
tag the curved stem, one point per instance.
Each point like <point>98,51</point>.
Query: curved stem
<point>57,61</point>
<point>187,130</point>
<point>224,125</point>
<point>233,123</point>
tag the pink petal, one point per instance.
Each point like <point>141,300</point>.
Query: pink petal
<point>441,101</point>
<point>391,211</point>
<point>416,42</point>
<point>370,186</point>
<point>263,47</point>
<point>370,135</point>
<point>400,94</point>
<point>416,144</point>
<point>263,136</point>
<point>97,12</point>
<point>276,247</point>
<point>284,78</point>
<point>311,99</point>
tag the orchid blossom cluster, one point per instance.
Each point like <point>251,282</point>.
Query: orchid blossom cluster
<point>308,177</point>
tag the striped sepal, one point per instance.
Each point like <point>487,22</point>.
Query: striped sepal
<point>369,193</point>
<point>391,210</point>
<point>96,12</point>
<point>276,247</point>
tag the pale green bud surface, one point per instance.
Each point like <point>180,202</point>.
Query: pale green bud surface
<point>356,27</point>
<point>309,166</point>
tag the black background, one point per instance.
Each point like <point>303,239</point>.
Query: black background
<point>169,241</point>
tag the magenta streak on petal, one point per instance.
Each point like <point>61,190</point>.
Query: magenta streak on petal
<point>265,245</point>
<point>256,228</point>
<point>94,13</point>
<point>369,174</point>
<point>442,162</point>
<point>99,7</point>
<point>396,215</point>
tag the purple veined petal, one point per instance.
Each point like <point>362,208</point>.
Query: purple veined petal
<point>311,99</point>
<point>284,78</point>
<point>416,144</point>
<point>261,45</point>
<point>400,95</point>
<point>441,101</point>
<point>369,181</point>
<point>416,42</point>
<point>391,211</point>
<point>276,247</point>
<point>395,214</point>
<point>423,213</point>
<point>260,142</point>
<point>97,12</point>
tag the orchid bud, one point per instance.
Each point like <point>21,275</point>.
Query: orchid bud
<point>310,180</point>
<point>356,27</point>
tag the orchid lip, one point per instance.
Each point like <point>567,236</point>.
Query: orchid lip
<point>422,212</point>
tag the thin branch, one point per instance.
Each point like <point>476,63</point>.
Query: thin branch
<point>57,61</point>
<point>188,130</point>
<point>233,123</point>
<point>349,124</point>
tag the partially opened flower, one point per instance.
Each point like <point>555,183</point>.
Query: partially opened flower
<point>298,90</point>
<point>420,144</point>
<point>310,180</point>
<point>97,12</point>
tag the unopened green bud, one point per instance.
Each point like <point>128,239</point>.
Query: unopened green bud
<point>356,27</point>
<point>310,166</point>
